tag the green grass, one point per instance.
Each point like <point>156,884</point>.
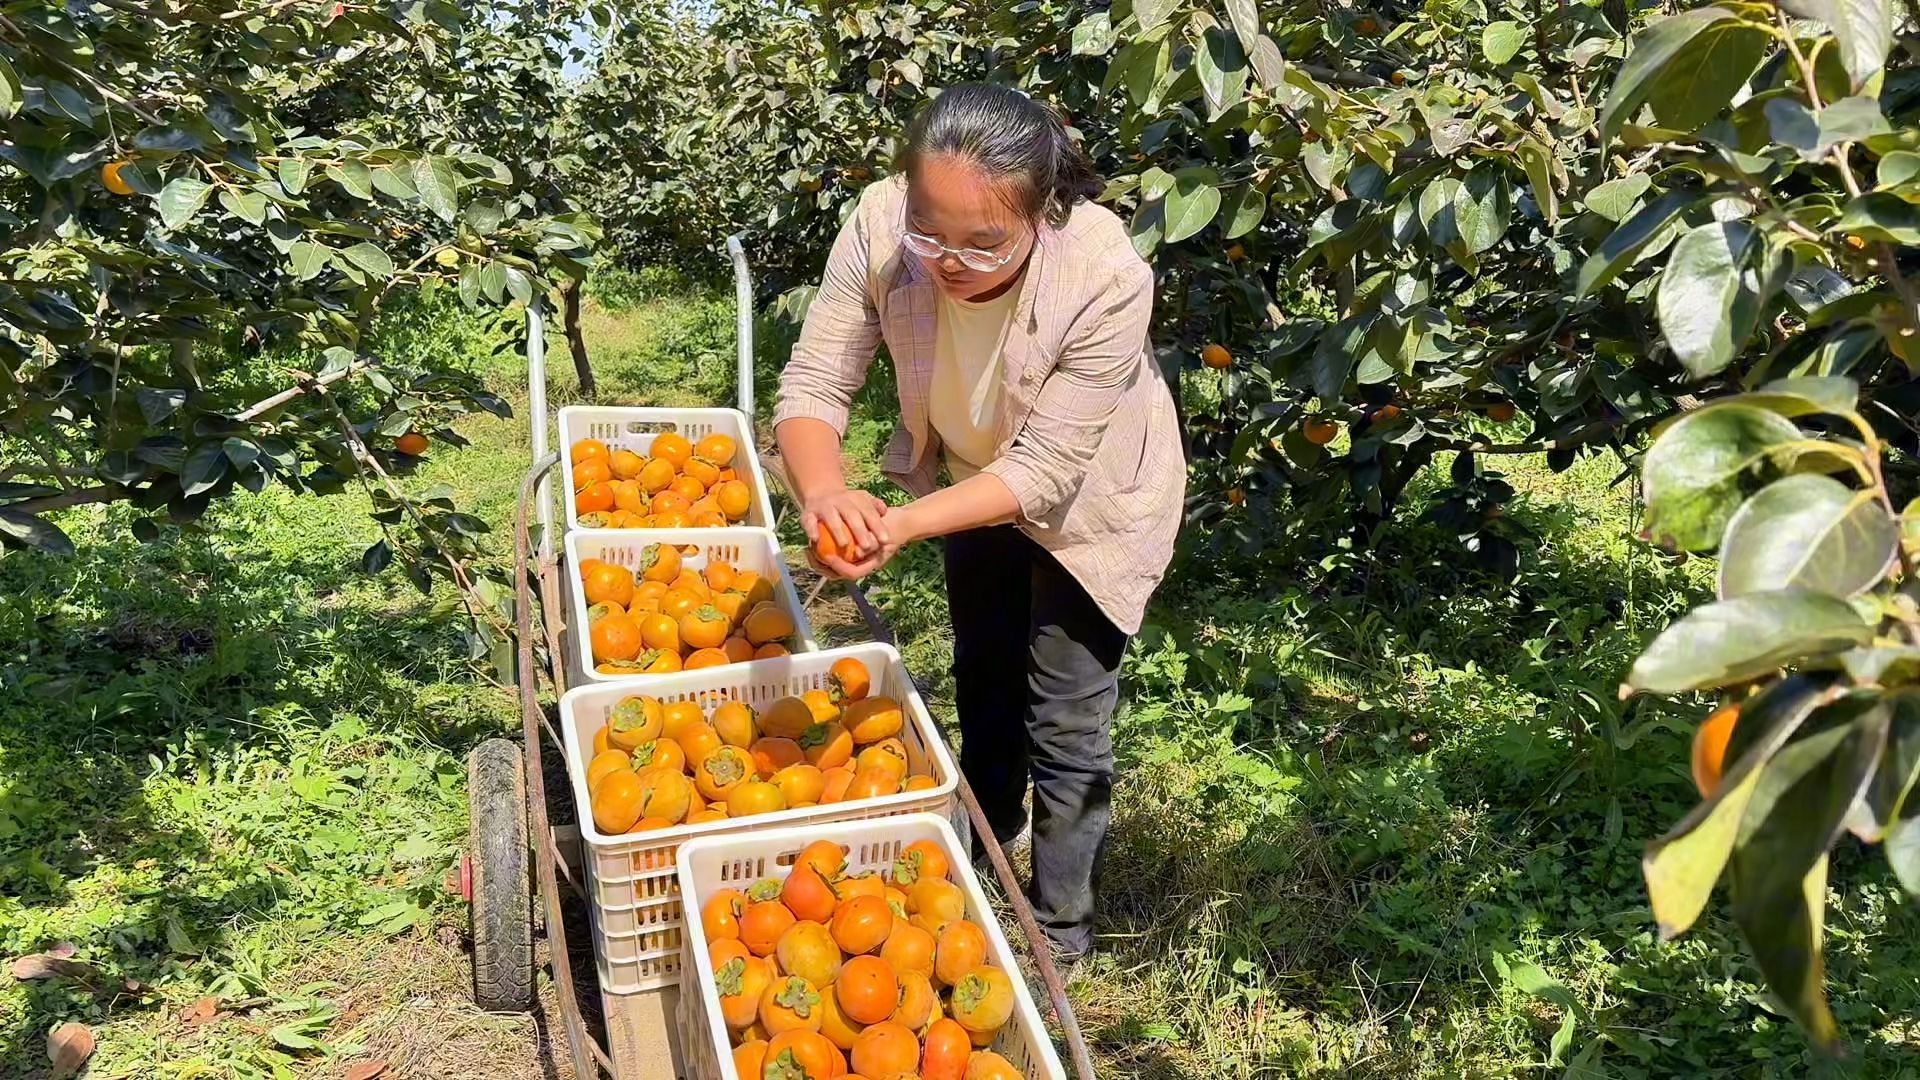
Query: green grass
<point>1369,803</point>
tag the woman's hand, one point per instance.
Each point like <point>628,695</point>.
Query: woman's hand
<point>856,522</point>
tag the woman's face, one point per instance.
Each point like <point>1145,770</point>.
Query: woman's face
<point>954,202</point>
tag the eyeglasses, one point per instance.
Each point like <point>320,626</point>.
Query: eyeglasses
<point>927,247</point>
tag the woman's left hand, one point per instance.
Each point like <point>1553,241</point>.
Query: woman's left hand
<point>899,533</point>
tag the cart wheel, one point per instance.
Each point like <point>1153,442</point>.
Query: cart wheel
<point>502,893</point>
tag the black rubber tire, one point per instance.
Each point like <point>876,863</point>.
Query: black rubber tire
<point>502,877</point>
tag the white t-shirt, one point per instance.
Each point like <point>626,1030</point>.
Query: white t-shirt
<point>964,404</point>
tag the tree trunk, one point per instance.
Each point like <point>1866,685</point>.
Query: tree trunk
<point>570,318</point>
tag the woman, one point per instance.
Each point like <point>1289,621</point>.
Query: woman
<point>1016,314</point>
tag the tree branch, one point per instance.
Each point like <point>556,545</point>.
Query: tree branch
<point>306,383</point>
<point>105,493</point>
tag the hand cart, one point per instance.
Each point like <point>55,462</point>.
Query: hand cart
<point>518,858</point>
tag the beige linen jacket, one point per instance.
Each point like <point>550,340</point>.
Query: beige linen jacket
<point>1089,440</point>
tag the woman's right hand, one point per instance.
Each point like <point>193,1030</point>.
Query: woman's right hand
<point>855,521</point>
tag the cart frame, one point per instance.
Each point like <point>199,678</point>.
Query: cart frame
<point>641,1041</point>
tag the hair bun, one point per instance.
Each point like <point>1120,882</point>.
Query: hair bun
<point>1006,133</point>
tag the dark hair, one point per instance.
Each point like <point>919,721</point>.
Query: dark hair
<point>1007,134</point>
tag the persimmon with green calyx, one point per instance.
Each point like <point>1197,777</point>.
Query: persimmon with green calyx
<point>704,627</point>
<point>982,1000</point>
<point>790,1003</point>
<point>922,858</point>
<point>635,721</point>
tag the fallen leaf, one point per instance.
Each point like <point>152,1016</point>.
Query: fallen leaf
<point>367,1070</point>
<point>202,1011</point>
<point>68,1048</point>
<point>48,965</point>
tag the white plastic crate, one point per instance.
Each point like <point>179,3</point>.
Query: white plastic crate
<point>633,428</point>
<point>633,893</point>
<point>717,862</point>
<point>747,549</point>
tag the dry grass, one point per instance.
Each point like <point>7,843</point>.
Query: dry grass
<point>408,1001</point>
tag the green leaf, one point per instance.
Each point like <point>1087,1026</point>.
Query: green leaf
<point>1654,50</point>
<point>354,178</point>
<point>1682,866</point>
<point>1710,68</point>
<point>371,259</point>
<point>1094,35</point>
<point>1243,211</point>
<point>204,468</point>
<point>307,259</point>
<point>293,173</point>
<point>1881,216</point>
<point>1619,249</point>
<point>493,281</point>
<point>1151,13</point>
<point>1903,850</point>
<point>28,530</point>
<point>376,558</point>
<point>11,95</point>
<point>1437,211</point>
<point>1333,359</point>
<point>1192,203</point>
<point>1805,395</point>
<point>1614,199</point>
<point>395,182</point>
<point>1885,799</point>
<point>1777,875</point>
<point>241,452</point>
<point>1814,136</point>
<point>1537,158</point>
<point>1709,298</point>
<point>1896,168</point>
<point>159,403</point>
<point>519,285</point>
<point>181,199</point>
<point>439,186</point>
<point>484,215</point>
<point>1269,65</point>
<point>1155,182</point>
<point>1480,209</point>
<point>1863,29</point>
<point>1731,641</point>
<point>248,206</point>
<point>1222,68</point>
<point>1499,41</point>
<point>1807,532</point>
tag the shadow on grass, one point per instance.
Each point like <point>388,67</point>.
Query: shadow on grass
<point>127,666</point>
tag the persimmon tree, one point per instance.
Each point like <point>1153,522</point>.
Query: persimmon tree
<point>177,172</point>
<point>1483,230</point>
<point>1773,268</point>
<point>1377,216</point>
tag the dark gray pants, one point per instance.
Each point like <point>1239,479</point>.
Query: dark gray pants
<point>1036,667</point>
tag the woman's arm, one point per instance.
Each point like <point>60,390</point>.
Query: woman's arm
<point>810,448</point>
<point>828,367</point>
<point>979,500</point>
<point>970,504</point>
